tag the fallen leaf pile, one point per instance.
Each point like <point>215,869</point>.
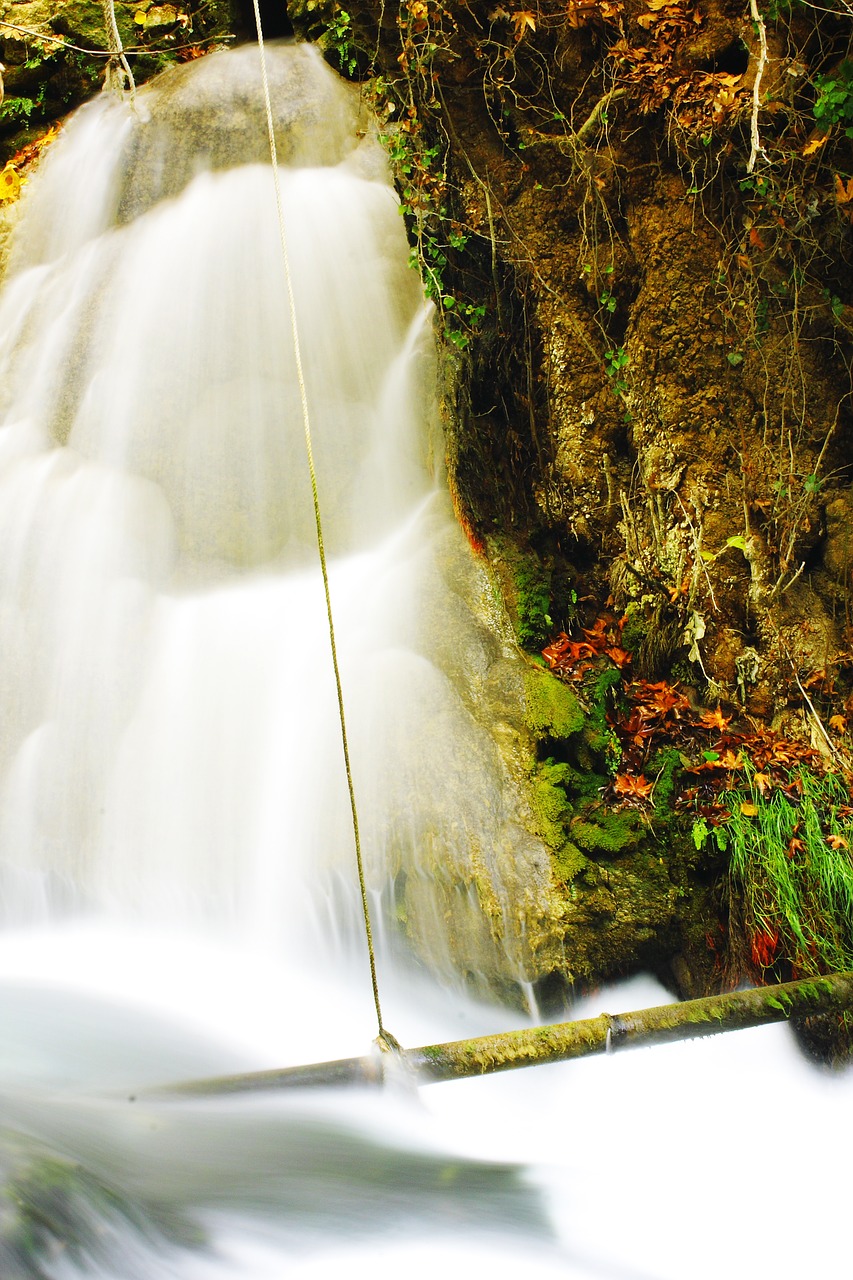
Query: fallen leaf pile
<point>714,749</point>
<point>648,60</point>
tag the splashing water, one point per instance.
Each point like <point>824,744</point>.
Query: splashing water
<point>177,882</point>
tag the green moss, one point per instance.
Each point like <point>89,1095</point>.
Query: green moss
<point>636,625</point>
<point>554,813</point>
<point>528,588</point>
<point>599,750</point>
<point>551,804</point>
<point>665,767</point>
<point>532,605</point>
<point>609,833</point>
<point>569,862</point>
<point>552,710</point>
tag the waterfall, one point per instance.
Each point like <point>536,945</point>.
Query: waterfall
<point>171,750</point>
<point>177,879</point>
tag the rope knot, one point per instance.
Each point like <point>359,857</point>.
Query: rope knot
<point>386,1043</point>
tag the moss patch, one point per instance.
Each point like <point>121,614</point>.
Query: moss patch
<point>609,832</point>
<point>552,709</point>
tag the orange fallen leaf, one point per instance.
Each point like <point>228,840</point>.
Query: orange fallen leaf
<point>843,190</point>
<point>619,657</point>
<point>836,842</point>
<point>838,723</point>
<point>728,760</point>
<point>716,720</point>
<point>627,784</point>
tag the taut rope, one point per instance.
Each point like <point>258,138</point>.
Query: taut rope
<point>385,1039</point>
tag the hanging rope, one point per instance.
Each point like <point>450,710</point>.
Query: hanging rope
<point>385,1040</point>
<point>119,73</point>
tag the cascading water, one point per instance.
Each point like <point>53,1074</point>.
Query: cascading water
<point>177,880</point>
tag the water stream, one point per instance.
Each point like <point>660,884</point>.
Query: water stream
<point>177,880</point>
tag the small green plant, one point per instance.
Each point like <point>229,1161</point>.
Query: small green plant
<point>419,170</point>
<point>791,872</point>
<point>834,104</point>
<point>616,360</point>
<point>18,110</point>
<point>735,543</point>
<point>836,306</point>
<point>338,38</point>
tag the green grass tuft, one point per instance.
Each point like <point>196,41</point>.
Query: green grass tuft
<point>791,874</point>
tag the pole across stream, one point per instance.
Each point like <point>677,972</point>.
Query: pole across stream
<point>559,1042</point>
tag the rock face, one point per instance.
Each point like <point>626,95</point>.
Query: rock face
<point>656,396</point>
<point>635,219</point>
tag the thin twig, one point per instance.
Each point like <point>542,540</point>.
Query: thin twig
<point>756,148</point>
<point>845,764</point>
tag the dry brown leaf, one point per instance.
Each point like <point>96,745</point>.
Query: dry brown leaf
<point>523,21</point>
<point>627,784</point>
<point>815,143</point>
<point>716,720</point>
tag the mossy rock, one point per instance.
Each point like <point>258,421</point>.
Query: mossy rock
<point>551,805</point>
<point>52,1206</point>
<point>552,709</point>
<point>526,585</point>
<point>609,833</point>
<point>570,864</point>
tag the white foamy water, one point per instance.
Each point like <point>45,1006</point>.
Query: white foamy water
<point>177,879</point>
